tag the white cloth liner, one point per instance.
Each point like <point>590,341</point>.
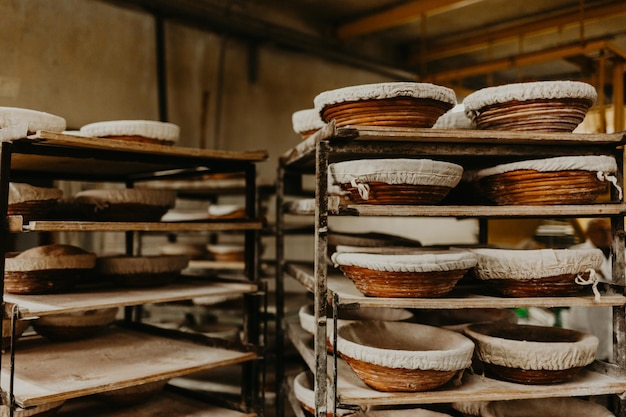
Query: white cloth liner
<point>405,345</point>
<point>426,262</point>
<point>146,128</point>
<point>383,91</point>
<point>453,120</point>
<point>605,167</point>
<point>306,120</point>
<point>360,172</point>
<point>34,120</point>
<point>530,355</point>
<point>22,192</point>
<point>527,91</point>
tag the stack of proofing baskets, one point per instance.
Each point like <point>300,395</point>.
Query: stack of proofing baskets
<point>407,356</point>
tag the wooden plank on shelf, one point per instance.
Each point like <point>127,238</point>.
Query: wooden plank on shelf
<point>31,306</point>
<point>164,404</point>
<point>468,136</point>
<point>117,359</point>
<point>307,207</point>
<point>90,226</point>
<point>59,139</point>
<point>352,391</point>
<point>585,210</point>
<point>210,264</point>
<point>302,273</point>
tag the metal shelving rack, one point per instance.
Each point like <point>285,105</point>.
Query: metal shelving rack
<point>53,156</point>
<point>469,148</point>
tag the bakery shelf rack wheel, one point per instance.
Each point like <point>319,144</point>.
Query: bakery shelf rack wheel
<point>334,293</point>
<point>131,355</point>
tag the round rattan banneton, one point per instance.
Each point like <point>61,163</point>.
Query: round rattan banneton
<point>387,379</point>
<point>122,212</point>
<point>45,281</point>
<point>531,187</point>
<point>560,285</point>
<point>530,376</point>
<point>409,194</point>
<point>31,210</point>
<point>539,115</point>
<point>374,283</point>
<point>392,112</point>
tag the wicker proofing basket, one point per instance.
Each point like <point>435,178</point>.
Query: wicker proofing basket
<point>540,115</point>
<point>405,275</point>
<point>136,394</point>
<point>32,210</point>
<point>382,193</point>
<point>392,112</point>
<point>531,187</point>
<point>47,281</point>
<point>538,273</point>
<point>75,326</point>
<point>303,389</point>
<point>528,354</point>
<point>403,357</point>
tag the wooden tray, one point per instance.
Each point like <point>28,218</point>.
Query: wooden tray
<point>540,115</point>
<point>531,187</point>
<point>402,284</point>
<point>396,112</point>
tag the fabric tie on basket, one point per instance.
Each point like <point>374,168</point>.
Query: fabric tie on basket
<point>364,189</point>
<point>592,280</point>
<point>602,176</point>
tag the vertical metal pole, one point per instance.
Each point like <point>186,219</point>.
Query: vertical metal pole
<point>250,370</point>
<point>321,301</point>
<point>5,178</point>
<point>279,367</point>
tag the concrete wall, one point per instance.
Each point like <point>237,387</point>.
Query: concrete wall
<point>89,61</point>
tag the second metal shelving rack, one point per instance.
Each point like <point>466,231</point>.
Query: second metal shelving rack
<point>470,149</point>
<point>52,156</point>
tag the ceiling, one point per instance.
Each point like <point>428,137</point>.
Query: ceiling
<point>467,44</point>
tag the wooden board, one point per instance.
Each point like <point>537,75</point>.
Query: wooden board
<point>306,207</point>
<point>78,226</point>
<point>165,404</point>
<point>31,306</point>
<point>348,294</point>
<point>46,372</point>
<point>303,154</point>
<point>352,391</point>
<point>59,139</point>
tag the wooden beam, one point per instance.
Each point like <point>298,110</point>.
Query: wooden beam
<point>465,43</point>
<point>516,61</point>
<point>396,16</point>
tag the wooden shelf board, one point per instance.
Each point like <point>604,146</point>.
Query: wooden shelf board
<point>31,306</point>
<point>348,294</point>
<point>87,226</point>
<point>118,358</point>
<point>464,141</point>
<point>352,391</point>
<point>307,207</point>
<point>209,264</point>
<point>164,404</point>
<point>58,139</point>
